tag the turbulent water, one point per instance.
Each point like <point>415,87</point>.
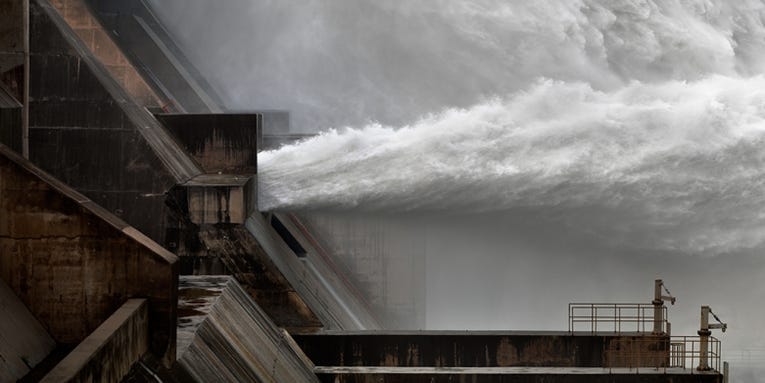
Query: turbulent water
<point>637,121</point>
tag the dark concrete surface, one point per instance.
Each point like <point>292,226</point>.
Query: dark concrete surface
<point>221,143</point>
<point>10,119</point>
<point>11,35</point>
<point>459,349</point>
<point>88,131</point>
<point>108,353</point>
<point>223,336</point>
<point>513,375</point>
<point>73,263</point>
<point>153,52</point>
<point>231,249</point>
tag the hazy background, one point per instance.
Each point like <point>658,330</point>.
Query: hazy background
<point>537,152</point>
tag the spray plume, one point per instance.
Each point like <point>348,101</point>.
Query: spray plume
<point>637,121</point>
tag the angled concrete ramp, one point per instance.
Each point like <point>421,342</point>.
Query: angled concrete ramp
<point>330,297</point>
<point>88,130</point>
<point>223,336</point>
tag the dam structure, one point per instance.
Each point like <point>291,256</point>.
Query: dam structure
<point>132,248</point>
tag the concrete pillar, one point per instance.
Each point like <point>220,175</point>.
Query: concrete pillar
<point>704,334</point>
<point>658,304</point>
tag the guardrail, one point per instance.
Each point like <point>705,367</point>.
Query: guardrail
<point>614,317</point>
<point>661,353</point>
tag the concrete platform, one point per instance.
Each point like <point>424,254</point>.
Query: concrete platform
<point>510,374</point>
<point>468,348</point>
<point>217,198</point>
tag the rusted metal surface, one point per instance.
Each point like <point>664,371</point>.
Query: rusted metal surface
<point>659,311</point>
<point>647,353</point>
<point>225,337</point>
<point>704,339</point>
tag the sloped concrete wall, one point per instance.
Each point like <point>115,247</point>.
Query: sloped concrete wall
<point>88,131</point>
<point>153,52</point>
<point>72,263</point>
<point>107,354</point>
<point>331,297</point>
<point>225,337</point>
<point>79,17</point>
<point>231,249</point>
<point>23,341</point>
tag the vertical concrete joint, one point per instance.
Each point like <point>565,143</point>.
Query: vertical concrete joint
<point>25,90</point>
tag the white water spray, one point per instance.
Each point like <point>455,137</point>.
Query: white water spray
<point>680,163</point>
<point>637,121</point>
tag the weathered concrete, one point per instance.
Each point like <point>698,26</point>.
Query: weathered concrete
<point>217,198</point>
<point>466,348</point>
<point>10,119</point>
<point>73,263</point>
<point>510,375</point>
<point>107,354</point>
<point>391,274</point>
<point>23,341</point>
<point>221,143</point>
<point>231,249</point>
<point>79,18</point>
<point>322,286</point>
<point>223,336</point>
<point>11,35</point>
<point>88,131</point>
<point>154,54</point>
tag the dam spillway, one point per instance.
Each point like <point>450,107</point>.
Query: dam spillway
<point>140,191</point>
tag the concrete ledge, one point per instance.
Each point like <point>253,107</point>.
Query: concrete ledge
<point>217,198</point>
<point>107,354</point>
<point>510,375</point>
<point>467,348</point>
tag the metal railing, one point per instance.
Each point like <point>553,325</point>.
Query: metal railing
<point>614,317</point>
<point>661,353</point>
